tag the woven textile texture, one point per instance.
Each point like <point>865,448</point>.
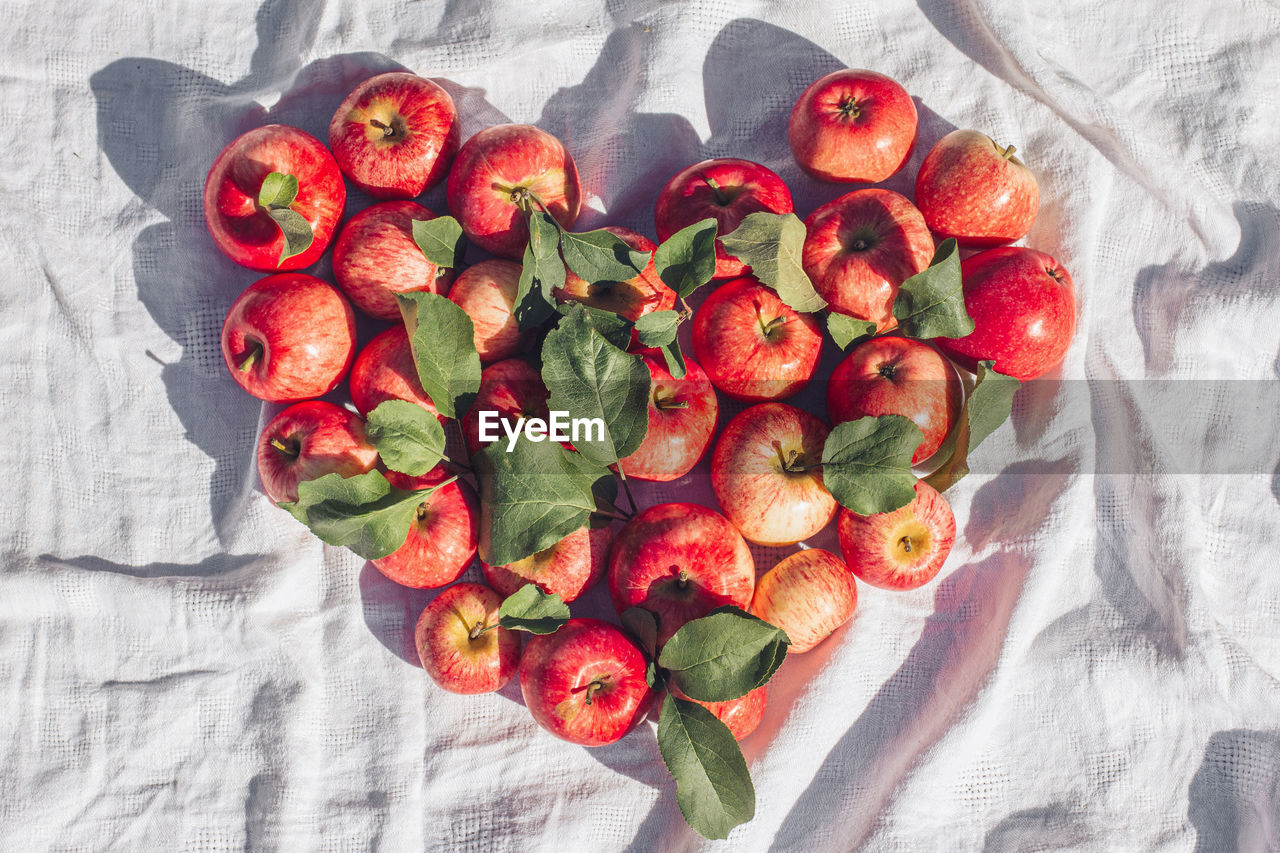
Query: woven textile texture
<point>186,668</point>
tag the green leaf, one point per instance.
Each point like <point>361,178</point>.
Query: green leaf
<point>601,255</point>
<point>364,513</point>
<point>444,351</point>
<point>533,497</point>
<point>772,245</point>
<point>724,655</point>
<point>866,464</point>
<point>930,304</point>
<point>985,409</point>
<point>278,190</point>
<point>644,625</point>
<point>659,330</point>
<point>542,273</point>
<point>846,330</point>
<point>588,377</point>
<point>296,231</point>
<point>687,259</point>
<point>713,786</point>
<point>408,438</point>
<point>530,609</point>
<point>615,328</point>
<point>440,240</point>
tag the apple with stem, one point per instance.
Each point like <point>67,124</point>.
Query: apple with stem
<point>852,126</point>
<point>443,536</point>
<point>513,388</point>
<point>243,227</point>
<point>679,561</point>
<point>808,594</point>
<point>460,643</point>
<point>859,248</point>
<point>1023,306</point>
<point>976,191</point>
<point>753,345</point>
<point>289,337</point>
<point>395,135</point>
<point>384,370</point>
<point>487,293</point>
<point>727,190</point>
<point>903,549</point>
<point>586,682</point>
<point>742,715</point>
<point>307,441</point>
<point>375,258</point>
<point>682,419</point>
<point>502,173</point>
<point>568,568</point>
<point>898,376</point>
<point>633,298</point>
<point>766,471</point>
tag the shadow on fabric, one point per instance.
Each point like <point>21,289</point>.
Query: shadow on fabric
<point>1234,798</point>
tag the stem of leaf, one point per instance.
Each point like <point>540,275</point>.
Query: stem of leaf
<point>627,488</point>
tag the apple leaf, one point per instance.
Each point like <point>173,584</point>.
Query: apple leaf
<point>687,259</point>
<point>588,377</point>
<point>530,609</point>
<point>644,625</point>
<point>278,190</point>
<point>724,655</point>
<point>659,330</point>
<point>615,328</point>
<point>364,513</point>
<point>440,240</point>
<point>408,438</point>
<point>772,245</point>
<point>930,304</point>
<point>542,272</point>
<point>985,409</point>
<point>443,341</point>
<point>846,330</point>
<point>866,464</point>
<point>533,497</point>
<point>713,786</point>
<point>601,255</point>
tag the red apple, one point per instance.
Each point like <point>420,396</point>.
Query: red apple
<point>289,337</point>
<point>586,682</point>
<point>487,292</point>
<point>384,370</point>
<point>859,248</point>
<point>442,539</point>
<point>395,135</point>
<point>375,258</point>
<point>741,715</point>
<point>727,190</point>
<point>808,594</point>
<point>307,441</point>
<point>752,345</point>
<point>241,227</point>
<point>679,561</point>
<point>897,376</point>
<point>902,549</point>
<point>682,418</point>
<point>852,126</point>
<point>502,171</point>
<point>514,389</point>
<point>632,298</point>
<point>974,190</point>
<point>766,471</point>
<point>460,643</point>
<point>1023,306</point>
<point>568,568</point>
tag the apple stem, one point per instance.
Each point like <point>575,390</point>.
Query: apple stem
<point>1008,152</point>
<point>479,629</point>
<point>905,542</point>
<point>721,198</point>
<point>663,400</point>
<point>386,129</point>
<point>595,687</point>
<point>251,358</point>
<point>767,328</point>
<point>290,449</point>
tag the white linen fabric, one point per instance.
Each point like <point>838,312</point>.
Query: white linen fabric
<point>184,667</point>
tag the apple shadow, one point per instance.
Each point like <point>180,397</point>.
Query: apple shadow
<point>223,565</point>
<point>1234,797</point>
